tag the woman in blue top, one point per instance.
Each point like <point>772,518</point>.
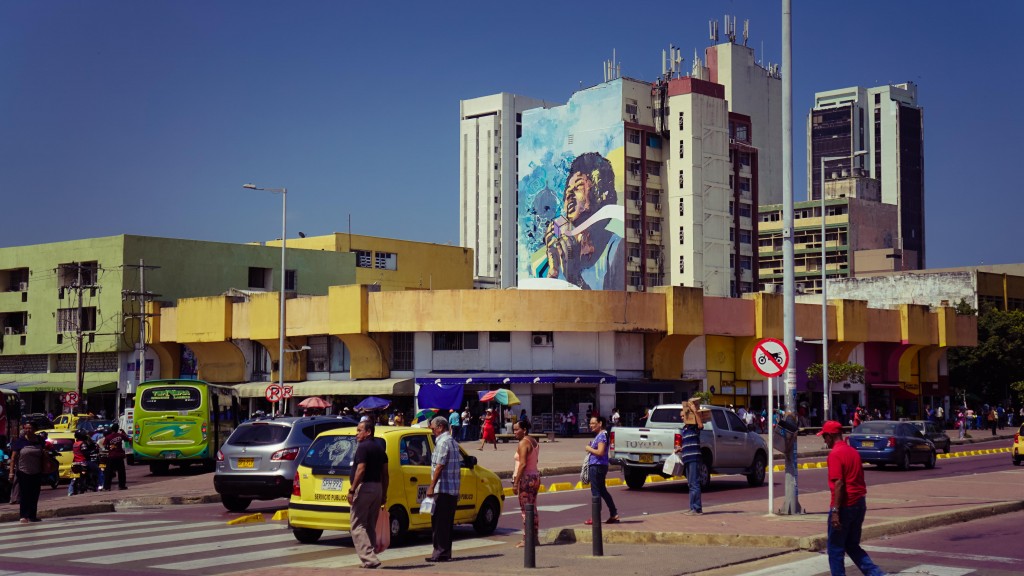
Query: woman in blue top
<point>598,462</point>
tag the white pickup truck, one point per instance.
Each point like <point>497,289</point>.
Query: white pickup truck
<point>726,446</point>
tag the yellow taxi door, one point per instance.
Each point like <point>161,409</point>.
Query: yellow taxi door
<point>414,462</point>
<point>469,491</point>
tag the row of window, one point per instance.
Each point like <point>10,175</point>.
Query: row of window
<point>380,260</point>
<point>453,341</point>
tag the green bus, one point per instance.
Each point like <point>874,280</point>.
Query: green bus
<point>182,422</point>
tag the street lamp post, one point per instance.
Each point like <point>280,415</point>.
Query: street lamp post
<point>284,235</point>
<point>826,388</point>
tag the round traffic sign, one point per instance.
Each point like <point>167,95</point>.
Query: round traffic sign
<point>273,393</point>
<point>287,392</point>
<point>71,398</point>
<point>771,357</point>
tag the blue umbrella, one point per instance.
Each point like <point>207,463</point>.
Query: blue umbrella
<point>373,403</point>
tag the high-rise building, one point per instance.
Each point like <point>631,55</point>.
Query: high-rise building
<point>887,124</point>
<point>489,126</point>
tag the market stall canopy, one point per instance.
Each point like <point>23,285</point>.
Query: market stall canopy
<point>502,396</point>
<point>314,402</point>
<point>373,403</point>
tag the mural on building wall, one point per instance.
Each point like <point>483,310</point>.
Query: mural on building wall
<point>571,211</point>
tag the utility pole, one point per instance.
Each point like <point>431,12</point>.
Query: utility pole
<point>791,504</point>
<point>143,298</point>
<point>77,326</point>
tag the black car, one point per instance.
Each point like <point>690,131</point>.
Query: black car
<point>883,442</point>
<point>40,421</point>
<point>933,432</point>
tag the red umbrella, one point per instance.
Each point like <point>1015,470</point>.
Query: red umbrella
<point>314,402</point>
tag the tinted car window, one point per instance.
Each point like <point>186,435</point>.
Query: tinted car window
<point>887,428</point>
<point>63,444</point>
<point>734,422</point>
<point>718,416</point>
<point>313,430</point>
<point>667,415</point>
<point>259,434</point>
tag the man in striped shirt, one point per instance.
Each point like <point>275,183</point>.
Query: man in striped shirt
<point>690,449</point>
<point>445,481</point>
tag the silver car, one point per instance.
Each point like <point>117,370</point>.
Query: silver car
<point>259,459</point>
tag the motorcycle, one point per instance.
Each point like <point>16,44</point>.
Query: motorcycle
<point>84,477</point>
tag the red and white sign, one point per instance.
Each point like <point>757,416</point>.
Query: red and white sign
<point>771,357</point>
<point>287,392</point>
<point>71,399</point>
<point>274,393</point>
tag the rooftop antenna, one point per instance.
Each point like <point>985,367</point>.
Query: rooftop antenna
<point>746,31</point>
<point>730,28</point>
<point>671,63</point>
<point>612,68</point>
<point>713,30</point>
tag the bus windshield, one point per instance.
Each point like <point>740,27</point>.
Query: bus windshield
<point>171,399</point>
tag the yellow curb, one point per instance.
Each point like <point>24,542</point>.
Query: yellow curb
<point>280,515</point>
<point>247,519</point>
<point>508,492</point>
<point>654,478</point>
<point>560,486</point>
<point>541,489</point>
<point>582,486</point>
<point>613,482</point>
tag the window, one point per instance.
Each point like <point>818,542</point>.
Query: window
<point>745,185</point>
<point>456,340</point>
<point>260,278</point>
<point>682,122</point>
<point>682,149</point>
<point>653,280</point>
<point>682,235</point>
<point>744,236</point>
<point>653,141</point>
<point>654,168</point>
<point>389,260</point>
<point>731,207</point>
<point>402,356</point>
<point>744,158</point>
<point>364,259</point>
<point>68,274</point>
<point>732,234</point>
<point>635,279</point>
<point>634,166</point>
<point>682,208</point>
<point>744,210</point>
<point>732,260</point>
<point>67,319</point>
<point>682,179</point>
<point>682,264</point>
<point>414,451</point>
<point>499,336</point>
<point>633,136</point>
<point>745,262</point>
<point>631,107</point>
<point>319,354</point>
<point>289,280</point>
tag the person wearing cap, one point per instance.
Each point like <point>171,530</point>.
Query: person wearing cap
<point>848,507</point>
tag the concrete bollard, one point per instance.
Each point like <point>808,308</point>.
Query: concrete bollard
<point>530,537</point>
<point>595,535</point>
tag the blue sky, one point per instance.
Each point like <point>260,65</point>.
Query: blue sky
<point>147,117</point>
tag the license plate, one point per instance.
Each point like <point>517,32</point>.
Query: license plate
<point>646,458</point>
<point>170,455</point>
<point>246,463</point>
<point>332,484</point>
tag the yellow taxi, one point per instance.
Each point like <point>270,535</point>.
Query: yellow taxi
<point>62,442</point>
<point>1018,446</point>
<point>70,421</point>
<point>323,476</point>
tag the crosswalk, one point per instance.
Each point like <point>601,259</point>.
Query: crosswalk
<point>817,565</point>
<point>133,542</point>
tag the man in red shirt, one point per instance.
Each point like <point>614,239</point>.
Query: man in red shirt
<point>847,509</point>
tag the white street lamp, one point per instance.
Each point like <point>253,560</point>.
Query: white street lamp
<point>284,235</point>
<point>826,387</point>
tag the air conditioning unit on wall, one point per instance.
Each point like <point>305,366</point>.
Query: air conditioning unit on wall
<point>541,339</point>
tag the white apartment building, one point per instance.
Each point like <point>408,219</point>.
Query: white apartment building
<point>488,129</point>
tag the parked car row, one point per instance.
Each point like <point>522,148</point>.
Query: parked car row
<point>309,460</point>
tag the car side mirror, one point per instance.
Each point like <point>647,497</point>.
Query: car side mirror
<point>469,461</point>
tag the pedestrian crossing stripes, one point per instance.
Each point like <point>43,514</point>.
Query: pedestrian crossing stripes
<point>133,543</point>
<point>817,565</point>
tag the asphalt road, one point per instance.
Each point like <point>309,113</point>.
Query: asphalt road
<point>150,535</point>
